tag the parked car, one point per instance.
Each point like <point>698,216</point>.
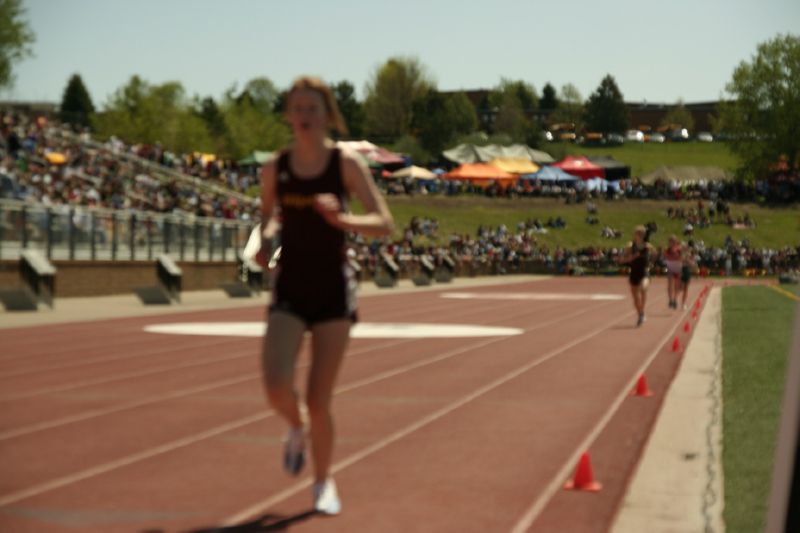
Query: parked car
<point>656,138</point>
<point>591,139</point>
<point>634,136</point>
<point>705,137</point>
<point>679,135</point>
<point>615,139</point>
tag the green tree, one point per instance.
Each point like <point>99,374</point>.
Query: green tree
<point>76,104</point>
<point>213,118</point>
<point>144,113</point>
<point>524,93</point>
<point>390,95</point>
<point>262,93</point>
<point>549,101</point>
<point>438,118</point>
<point>351,109</point>
<point>763,113</point>
<point>249,127</point>
<point>409,145</point>
<point>16,38</point>
<point>605,109</point>
<point>515,102</point>
<point>679,116</point>
<point>480,138</point>
<point>209,111</point>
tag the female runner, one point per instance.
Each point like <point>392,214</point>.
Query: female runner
<point>673,258</point>
<point>637,255</point>
<point>313,286</point>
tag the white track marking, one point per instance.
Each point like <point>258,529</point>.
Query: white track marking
<point>100,381</point>
<point>112,358</point>
<point>125,461</point>
<point>360,330</point>
<point>527,519</point>
<point>533,296</point>
<point>86,415</point>
<point>263,505</point>
<point>230,426</point>
<point>121,377</point>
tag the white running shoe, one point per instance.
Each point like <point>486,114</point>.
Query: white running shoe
<point>326,498</point>
<point>294,451</point>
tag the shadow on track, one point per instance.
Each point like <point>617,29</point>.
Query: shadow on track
<point>268,522</point>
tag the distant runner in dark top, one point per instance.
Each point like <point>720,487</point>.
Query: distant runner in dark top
<point>638,255</point>
<point>673,259</point>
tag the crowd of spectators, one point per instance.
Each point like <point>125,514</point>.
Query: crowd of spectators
<point>502,250</point>
<point>779,187</point>
<point>40,165</point>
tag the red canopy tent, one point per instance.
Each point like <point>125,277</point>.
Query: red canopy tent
<point>481,174</point>
<point>580,166</point>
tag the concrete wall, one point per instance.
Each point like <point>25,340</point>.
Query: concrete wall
<point>100,278</point>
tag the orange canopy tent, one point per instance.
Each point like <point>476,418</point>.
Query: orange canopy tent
<point>481,174</point>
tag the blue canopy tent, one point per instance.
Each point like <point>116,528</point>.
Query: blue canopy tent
<point>548,173</point>
<point>599,184</point>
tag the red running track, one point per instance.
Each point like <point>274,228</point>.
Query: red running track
<point>104,427</point>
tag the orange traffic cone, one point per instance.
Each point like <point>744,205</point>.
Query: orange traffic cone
<point>641,388</point>
<point>686,327</point>
<point>584,477</point>
<point>676,344</point>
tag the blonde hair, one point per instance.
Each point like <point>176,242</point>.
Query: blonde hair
<point>312,83</point>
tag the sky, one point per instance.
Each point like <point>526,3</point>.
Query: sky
<point>657,51</point>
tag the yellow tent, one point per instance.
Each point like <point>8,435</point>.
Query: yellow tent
<point>515,166</point>
<point>413,172</point>
<point>55,158</point>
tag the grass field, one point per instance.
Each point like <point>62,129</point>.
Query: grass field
<point>646,157</point>
<point>756,336</point>
<point>775,227</point>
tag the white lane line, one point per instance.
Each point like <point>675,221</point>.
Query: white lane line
<point>87,415</point>
<point>230,426</point>
<point>532,296</point>
<point>361,330</point>
<point>217,343</point>
<point>122,377</point>
<point>526,520</point>
<point>108,359</point>
<point>192,439</point>
<point>263,505</point>
<point>119,377</point>
<point>127,460</point>
<point>127,338</point>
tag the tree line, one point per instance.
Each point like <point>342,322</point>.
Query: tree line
<point>402,108</point>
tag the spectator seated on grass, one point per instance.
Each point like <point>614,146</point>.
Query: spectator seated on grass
<point>610,233</point>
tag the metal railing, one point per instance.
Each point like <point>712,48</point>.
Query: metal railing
<point>68,232</point>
